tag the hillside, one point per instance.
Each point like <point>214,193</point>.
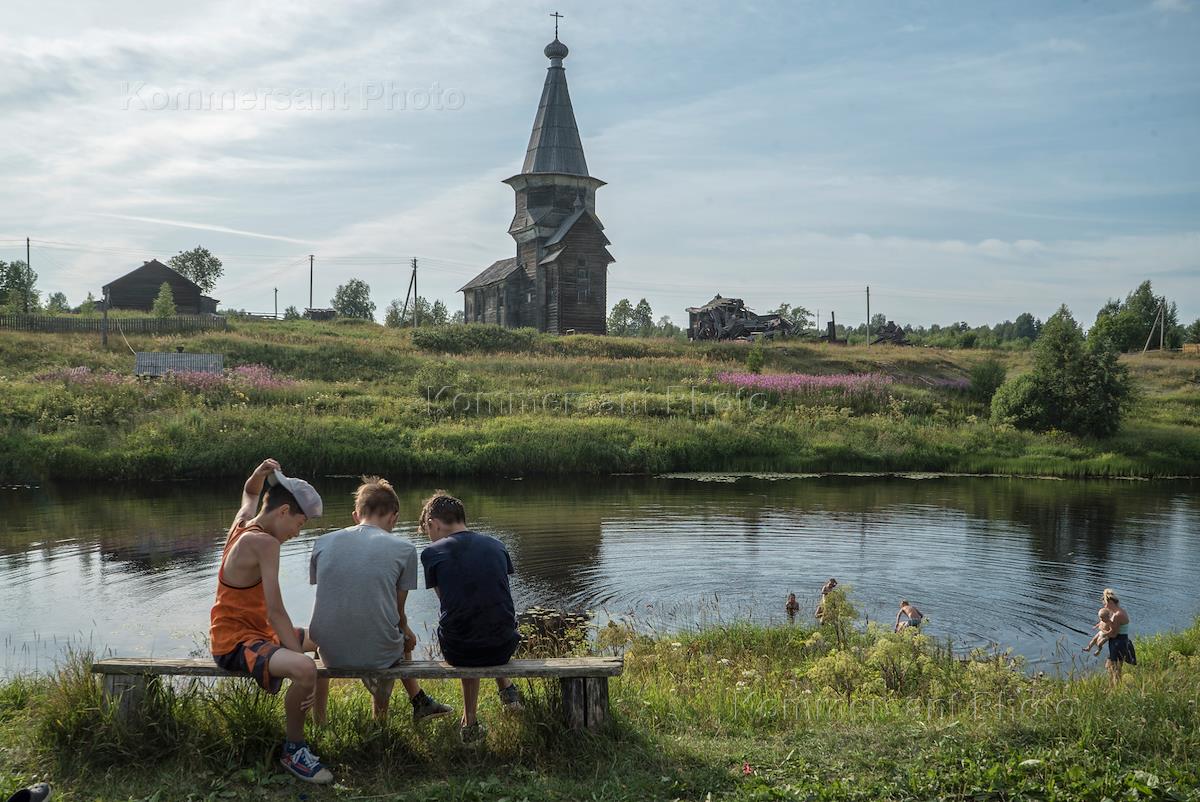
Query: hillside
<point>338,398</point>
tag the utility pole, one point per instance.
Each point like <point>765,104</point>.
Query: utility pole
<point>416,306</point>
<point>28,276</point>
<point>104,323</point>
<point>407,294</point>
<point>310,281</point>
<point>1158,313</point>
<point>277,303</point>
<point>1162,323</point>
<point>868,316</point>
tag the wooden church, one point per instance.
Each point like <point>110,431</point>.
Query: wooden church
<point>557,281</point>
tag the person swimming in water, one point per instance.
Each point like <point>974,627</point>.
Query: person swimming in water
<point>792,605</point>
<point>913,617</point>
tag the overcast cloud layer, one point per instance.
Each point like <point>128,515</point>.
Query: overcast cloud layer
<point>968,161</point>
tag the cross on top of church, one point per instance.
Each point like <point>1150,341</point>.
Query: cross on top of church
<point>557,17</point>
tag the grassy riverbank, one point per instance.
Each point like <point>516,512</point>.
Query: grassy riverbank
<point>350,397</point>
<point>736,712</point>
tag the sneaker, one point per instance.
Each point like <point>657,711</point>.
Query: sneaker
<point>472,733</point>
<point>510,698</point>
<point>305,765</point>
<point>34,793</point>
<point>425,706</point>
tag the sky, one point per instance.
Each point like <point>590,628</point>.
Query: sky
<point>967,161</point>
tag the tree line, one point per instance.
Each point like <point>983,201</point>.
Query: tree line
<point>1127,323</point>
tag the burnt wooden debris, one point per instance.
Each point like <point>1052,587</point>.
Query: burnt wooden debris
<point>830,335</point>
<point>891,334</point>
<point>730,319</point>
<point>583,681</point>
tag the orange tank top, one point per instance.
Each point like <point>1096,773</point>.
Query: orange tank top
<point>239,615</point>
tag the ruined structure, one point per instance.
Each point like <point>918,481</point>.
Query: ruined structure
<point>891,334</point>
<point>730,319</point>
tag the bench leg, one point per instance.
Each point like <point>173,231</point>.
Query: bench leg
<point>585,702</point>
<point>597,702</point>
<point>574,706</point>
<point>125,693</point>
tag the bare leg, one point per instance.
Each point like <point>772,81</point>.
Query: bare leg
<point>321,701</point>
<point>503,682</point>
<point>1114,671</point>
<point>411,686</point>
<point>470,701</point>
<point>302,672</point>
<point>381,698</point>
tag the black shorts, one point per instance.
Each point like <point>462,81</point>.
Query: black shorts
<point>1120,650</point>
<point>473,656</point>
<point>253,658</point>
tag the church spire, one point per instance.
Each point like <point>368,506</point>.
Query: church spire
<point>554,145</point>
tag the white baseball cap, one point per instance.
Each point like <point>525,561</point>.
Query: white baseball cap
<point>305,494</point>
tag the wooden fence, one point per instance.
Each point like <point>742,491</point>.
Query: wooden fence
<point>129,325</point>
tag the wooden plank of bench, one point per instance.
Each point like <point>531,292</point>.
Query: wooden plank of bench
<point>583,680</point>
<point>581,667</point>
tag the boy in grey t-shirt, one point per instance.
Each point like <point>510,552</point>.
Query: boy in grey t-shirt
<point>363,575</point>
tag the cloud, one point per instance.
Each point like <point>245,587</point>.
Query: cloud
<point>972,170</point>
<point>1172,6</point>
<point>205,227</point>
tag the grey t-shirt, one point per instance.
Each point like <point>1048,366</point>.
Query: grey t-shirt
<point>357,572</point>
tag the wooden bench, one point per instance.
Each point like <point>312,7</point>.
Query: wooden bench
<point>583,680</point>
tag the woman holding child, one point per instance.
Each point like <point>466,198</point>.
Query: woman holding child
<point>1120,647</point>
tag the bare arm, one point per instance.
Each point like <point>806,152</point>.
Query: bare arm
<point>1119,619</point>
<point>253,489</point>
<point>267,549</point>
<point>410,637</point>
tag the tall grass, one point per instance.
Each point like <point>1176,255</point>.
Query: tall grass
<point>347,398</point>
<point>738,711</point>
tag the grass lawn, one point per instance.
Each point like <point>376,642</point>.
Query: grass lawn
<point>738,712</point>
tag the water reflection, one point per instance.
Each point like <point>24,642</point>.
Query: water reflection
<point>1019,562</point>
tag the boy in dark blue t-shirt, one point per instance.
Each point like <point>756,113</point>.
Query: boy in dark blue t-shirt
<point>477,625</point>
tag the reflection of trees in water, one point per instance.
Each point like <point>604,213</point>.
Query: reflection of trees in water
<point>555,528</point>
<point>146,528</point>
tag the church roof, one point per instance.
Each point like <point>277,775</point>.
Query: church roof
<point>501,268</point>
<point>570,222</point>
<point>554,145</point>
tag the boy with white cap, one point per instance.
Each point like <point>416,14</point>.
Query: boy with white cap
<point>251,632</point>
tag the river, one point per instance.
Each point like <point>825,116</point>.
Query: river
<point>131,569</point>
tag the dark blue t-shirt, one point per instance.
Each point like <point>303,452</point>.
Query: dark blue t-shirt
<point>471,572</point>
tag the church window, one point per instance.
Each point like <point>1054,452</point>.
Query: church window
<point>583,282</point>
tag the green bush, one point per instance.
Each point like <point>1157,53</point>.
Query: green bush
<point>474,338</point>
<point>755,359</point>
<point>164,304</point>
<point>986,378</point>
<point>1076,386</point>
